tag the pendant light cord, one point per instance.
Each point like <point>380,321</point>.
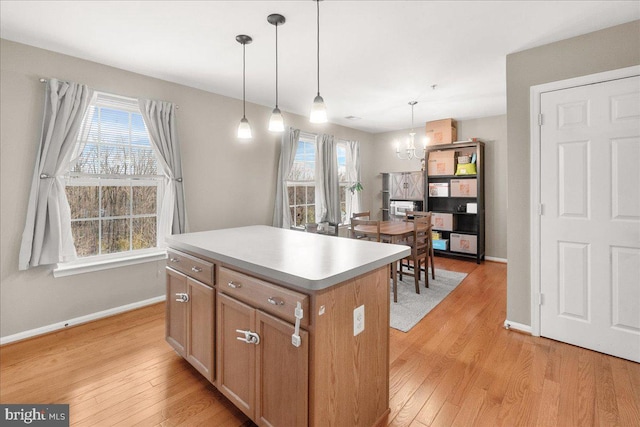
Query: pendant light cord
<point>412,117</point>
<point>244,112</point>
<point>318,40</point>
<point>276,65</point>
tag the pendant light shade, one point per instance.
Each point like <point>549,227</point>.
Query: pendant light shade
<point>276,122</point>
<point>318,110</point>
<point>244,129</point>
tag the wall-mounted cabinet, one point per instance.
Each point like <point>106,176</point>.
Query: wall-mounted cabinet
<point>401,186</point>
<point>406,186</point>
<point>454,185</point>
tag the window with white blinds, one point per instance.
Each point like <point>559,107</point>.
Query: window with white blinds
<point>113,186</point>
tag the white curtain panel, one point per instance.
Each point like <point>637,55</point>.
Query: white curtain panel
<point>327,185</point>
<point>160,119</point>
<point>288,146</point>
<point>47,237</point>
<point>354,201</point>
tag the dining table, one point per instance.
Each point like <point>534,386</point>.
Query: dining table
<point>390,232</point>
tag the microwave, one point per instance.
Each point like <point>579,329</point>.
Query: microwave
<point>398,208</point>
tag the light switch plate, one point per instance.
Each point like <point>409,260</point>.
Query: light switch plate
<point>358,320</point>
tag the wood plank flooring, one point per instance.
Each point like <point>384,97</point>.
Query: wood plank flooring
<point>457,367</point>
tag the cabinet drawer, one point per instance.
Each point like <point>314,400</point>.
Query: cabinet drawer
<point>191,266</point>
<point>260,294</point>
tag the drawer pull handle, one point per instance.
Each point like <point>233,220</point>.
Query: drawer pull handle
<point>275,301</point>
<point>249,337</point>
<point>196,269</point>
<point>234,285</point>
<point>182,297</point>
<point>174,259</point>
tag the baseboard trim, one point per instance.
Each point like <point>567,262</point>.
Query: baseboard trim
<point>79,320</point>
<point>495,259</point>
<point>508,324</point>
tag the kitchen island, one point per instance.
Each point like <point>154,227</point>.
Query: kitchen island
<point>292,327</point>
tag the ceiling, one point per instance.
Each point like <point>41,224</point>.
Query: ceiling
<point>375,56</point>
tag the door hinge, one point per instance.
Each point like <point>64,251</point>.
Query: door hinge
<point>540,299</point>
<point>540,209</point>
<point>540,119</point>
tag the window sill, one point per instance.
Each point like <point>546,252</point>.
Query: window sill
<point>91,264</point>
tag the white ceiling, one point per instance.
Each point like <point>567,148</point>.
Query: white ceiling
<point>375,56</point>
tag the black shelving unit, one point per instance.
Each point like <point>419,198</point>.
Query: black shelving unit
<point>464,223</point>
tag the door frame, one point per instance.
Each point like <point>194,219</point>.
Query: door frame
<point>535,96</point>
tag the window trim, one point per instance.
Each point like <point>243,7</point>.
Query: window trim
<point>108,261</point>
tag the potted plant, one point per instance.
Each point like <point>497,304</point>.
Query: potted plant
<point>357,186</point>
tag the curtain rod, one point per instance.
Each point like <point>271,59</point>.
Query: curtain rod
<point>43,80</point>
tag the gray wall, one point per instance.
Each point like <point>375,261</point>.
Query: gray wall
<point>608,49</point>
<point>491,130</point>
<point>227,183</point>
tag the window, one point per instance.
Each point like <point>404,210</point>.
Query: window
<point>301,184</point>
<point>113,186</point>
<point>343,179</point>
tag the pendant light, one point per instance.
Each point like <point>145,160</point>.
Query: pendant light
<point>276,122</point>
<point>244,130</point>
<point>318,110</point>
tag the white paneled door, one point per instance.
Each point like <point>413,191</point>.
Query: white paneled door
<point>590,217</point>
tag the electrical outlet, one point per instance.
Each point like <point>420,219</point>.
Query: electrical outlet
<point>358,320</point>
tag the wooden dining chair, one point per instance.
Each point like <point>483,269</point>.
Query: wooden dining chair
<point>369,235</point>
<point>374,236</point>
<point>420,245</point>
<point>361,215</point>
<point>409,216</point>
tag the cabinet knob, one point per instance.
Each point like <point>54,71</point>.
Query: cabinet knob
<point>196,269</point>
<point>234,285</point>
<point>182,297</point>
<point>174,259</point>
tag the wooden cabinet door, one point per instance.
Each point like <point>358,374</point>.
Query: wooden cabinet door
<point>415,185</point>
<point>176,311</point>
<point>235,359</point>
<point>200,330</point>
<point>282,374</point>
<point>398,188</point>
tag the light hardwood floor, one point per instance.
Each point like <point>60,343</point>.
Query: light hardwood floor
<point>458,366</point>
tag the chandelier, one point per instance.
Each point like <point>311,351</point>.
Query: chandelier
<point>410,151</point>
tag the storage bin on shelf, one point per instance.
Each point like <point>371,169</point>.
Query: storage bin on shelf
<point>441,163</point>
<point>465,243</point>
<point>441,244</point>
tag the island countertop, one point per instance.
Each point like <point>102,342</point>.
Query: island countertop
<point>306,261</point>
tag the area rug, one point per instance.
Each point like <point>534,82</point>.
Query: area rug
<point>412,307</point>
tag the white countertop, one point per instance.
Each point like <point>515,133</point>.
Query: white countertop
<point>306,261</point>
